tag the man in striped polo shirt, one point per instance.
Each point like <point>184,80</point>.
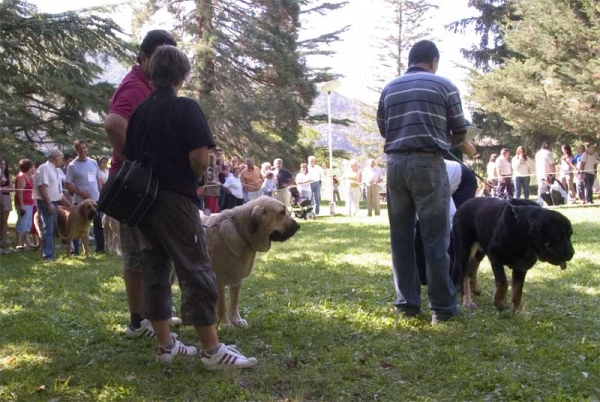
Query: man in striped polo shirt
<point>420,116</point>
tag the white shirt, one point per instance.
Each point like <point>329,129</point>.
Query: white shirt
<point>454,177</point>
<point>543,162</point>
<point>48,174</point>
<point>504,168</point>
<point>303,182</point>
<point>234,184</point>
<point>521,167</point>
<point>371,175</point>
<point>590,160</point>
<point>315,173</point>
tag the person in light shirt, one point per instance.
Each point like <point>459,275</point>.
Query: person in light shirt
<point>504,174</point>
<point>523,168</point>
<point>315,174</point>
<point>544,165</point>
<point>372,176</point>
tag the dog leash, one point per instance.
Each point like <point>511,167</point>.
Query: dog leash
<point>486,181</point>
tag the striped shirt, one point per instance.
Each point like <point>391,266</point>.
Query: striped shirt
<point>419,110</point>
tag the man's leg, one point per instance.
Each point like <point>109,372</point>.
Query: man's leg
<point>48,223</point>
<point>369,200</point>
<point>431,192</point>
<point>132,275</point>
<point>401,213</point>
<point>589,186</point>
<point>316,195</point>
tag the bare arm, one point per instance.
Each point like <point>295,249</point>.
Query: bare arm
<point>116,129</point>
<point>198,159</point>
<point>20,186</point>
<point>73,189</point>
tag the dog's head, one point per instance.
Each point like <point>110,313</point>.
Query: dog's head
<point>87,209</point>
<point>551,233</point>
<point>269,221</point>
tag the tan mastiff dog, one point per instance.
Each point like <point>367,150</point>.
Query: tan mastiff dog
<point>233,237</point>
<point>73,223</point>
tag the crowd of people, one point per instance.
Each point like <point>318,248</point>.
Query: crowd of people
<point>61,180</point>
<point>568,179</point>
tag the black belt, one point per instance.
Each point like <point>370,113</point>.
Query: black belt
<point>421,151</point>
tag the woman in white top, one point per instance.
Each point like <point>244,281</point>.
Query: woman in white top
<point>103,173</point>
<point>567,170</point>
<point>522,166</point>
<point>233,186</point>
<point>303,181</point>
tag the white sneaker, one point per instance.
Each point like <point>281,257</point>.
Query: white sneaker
<point>175,321</point>
<point>226,357</point>
<point>166,356</point>
<point>144,331</point>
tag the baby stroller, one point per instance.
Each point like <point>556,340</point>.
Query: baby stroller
<point>301,206</point>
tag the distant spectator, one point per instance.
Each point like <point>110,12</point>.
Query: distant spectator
<point>285,178</point>
<point>303,182</point>
<point>544,165</point>
<point>233,186</point>
<point>336,189</point>
<point>588,165</point>
<point>6,186</point>
<point>491,173</point>
<point>372,176</point>
<point>523,169</point>
<point>580,188</point>
<point>269,184</point>
<point>24,203</point>
<point>553,193</point>
<point>353,178</point>
<point>315,174</point>
<point>212,186</point>
<point>103,174</point>
<point>567,171</point>
<point>251,179</point>
<point>504,174</point>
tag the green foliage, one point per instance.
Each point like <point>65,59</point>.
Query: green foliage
<point>249,68</point>
<point>322,325</point>
<point>49,69</point>
<point>551,87</point>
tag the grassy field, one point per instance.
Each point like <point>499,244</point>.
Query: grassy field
<point>322,325</point>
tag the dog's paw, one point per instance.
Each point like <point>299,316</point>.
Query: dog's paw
<point>240,323</point>
<point>469,305</point>
<point>500,304</point>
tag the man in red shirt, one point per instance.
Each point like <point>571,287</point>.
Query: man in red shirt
<point>134,88</point>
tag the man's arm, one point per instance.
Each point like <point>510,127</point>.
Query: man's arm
<point>198,159</point>
<point>43,190</point>
<point>116,129</point>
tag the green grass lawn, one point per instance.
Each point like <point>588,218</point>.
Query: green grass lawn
<point>322,325</point>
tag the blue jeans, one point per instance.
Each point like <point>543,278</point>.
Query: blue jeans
<point>418,185</point>
<point>522,183</point>
<point>315,187</point>
<point>49,223</point>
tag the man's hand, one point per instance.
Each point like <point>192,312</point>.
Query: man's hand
<point>51,209</point>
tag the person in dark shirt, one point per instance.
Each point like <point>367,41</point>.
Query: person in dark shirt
<point>285,178</point>
<point>172,135</point>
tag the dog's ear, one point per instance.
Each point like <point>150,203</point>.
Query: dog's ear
<point>83,211</point>
<point>255,218</point>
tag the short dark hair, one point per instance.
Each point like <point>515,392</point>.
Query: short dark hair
<point>168,67</point>
<point>153,40</point>
<point>545,145</point>
<point>77,144</point>
<point>25,165</point>
<point>423,52</point>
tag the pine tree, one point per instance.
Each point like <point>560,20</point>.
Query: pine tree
<point>401,30</point>
<point>551,88</point>
<point>49,69</point>
<point>250,72</point>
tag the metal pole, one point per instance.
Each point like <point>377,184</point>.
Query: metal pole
<point>332,202</point>
<point>329,127</point>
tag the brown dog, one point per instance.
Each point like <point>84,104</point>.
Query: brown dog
<point>73,223</point>
<point>233,238</point>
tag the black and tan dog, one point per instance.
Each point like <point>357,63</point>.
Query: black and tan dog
<point>514,233</point>
<point>234,237</point>
<point>73,223</point>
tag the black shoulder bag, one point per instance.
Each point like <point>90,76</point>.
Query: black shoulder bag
<point>129,195</point>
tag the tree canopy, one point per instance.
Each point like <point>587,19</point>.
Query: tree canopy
<point>50,66</point>
<point>250,71</point>
<point>550,84</point>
